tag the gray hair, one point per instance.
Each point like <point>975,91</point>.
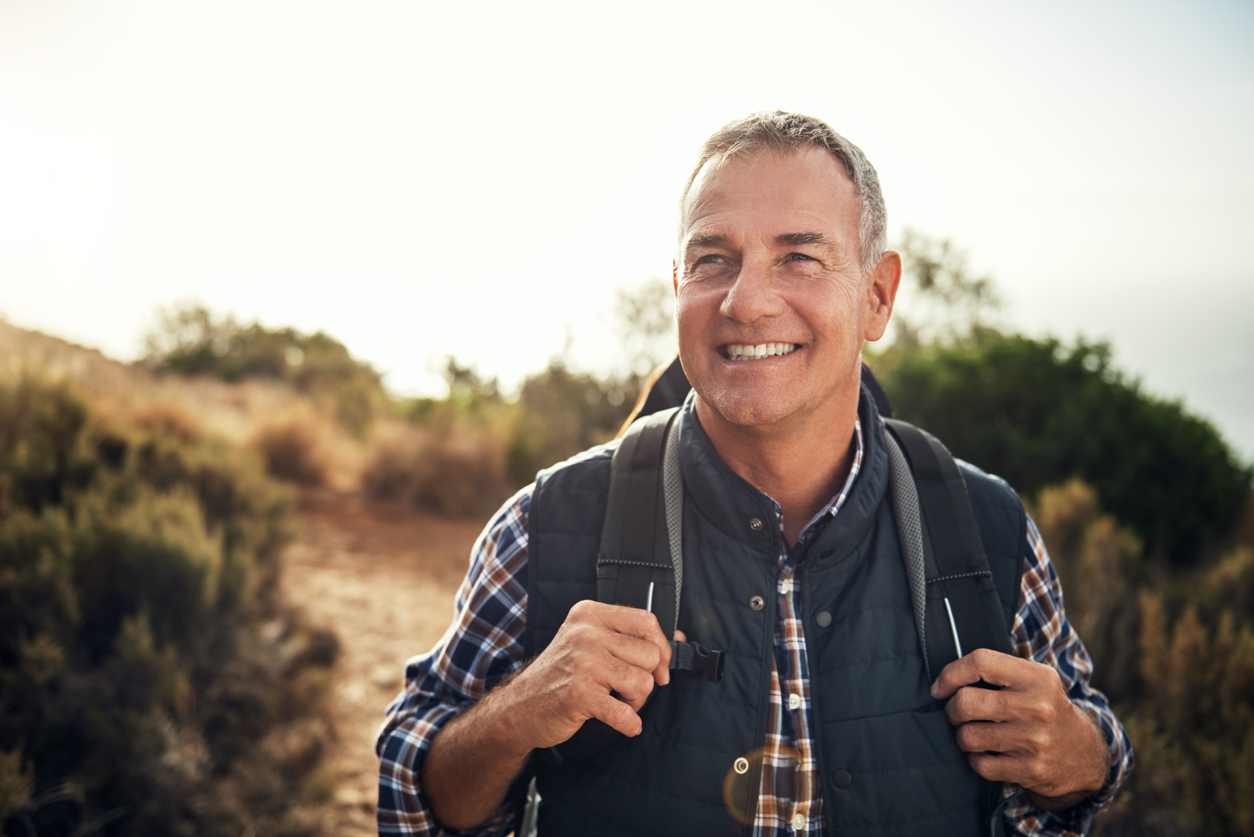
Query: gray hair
<point>788,132</point>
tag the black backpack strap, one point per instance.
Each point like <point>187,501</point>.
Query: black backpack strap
<point>639,561</point>
<point>963,610</point>
<point>634,565</point>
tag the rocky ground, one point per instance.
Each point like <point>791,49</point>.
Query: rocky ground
<point>383,579</point>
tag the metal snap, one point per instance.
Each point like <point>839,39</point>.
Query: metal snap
<point>757,603</point>
<point>822,618</point>
<point>755,523</point>
<point>742,765</point>
<point>842,779</point>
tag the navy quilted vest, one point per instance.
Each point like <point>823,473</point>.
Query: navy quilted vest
<point>886,753</point>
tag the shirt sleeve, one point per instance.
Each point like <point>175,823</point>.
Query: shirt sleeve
<point>1042,633</point>
<point>482,646</point>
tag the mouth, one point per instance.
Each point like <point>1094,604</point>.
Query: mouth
<point>744,351</point>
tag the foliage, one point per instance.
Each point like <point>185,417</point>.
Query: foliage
<point>940,301</point>
<point>565,412</point>
<point>466,453</point>
<point>1037,412</point>
<point>148,675</point>
<point>293,451</point>
<point>189,340</point>
<point>1174,651</point>
<point>645,318</point>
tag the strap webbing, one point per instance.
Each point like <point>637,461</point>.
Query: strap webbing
<point>640,558</point>
<point>910,533</point>
<point>956,569</point>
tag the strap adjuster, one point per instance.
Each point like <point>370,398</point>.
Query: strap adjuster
<point>690,656</point>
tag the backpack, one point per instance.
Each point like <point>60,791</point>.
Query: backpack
<point>640,556</point>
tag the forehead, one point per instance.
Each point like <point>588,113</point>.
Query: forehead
<point>774,193</point>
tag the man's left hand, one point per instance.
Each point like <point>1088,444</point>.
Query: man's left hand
<point>1027,732</point>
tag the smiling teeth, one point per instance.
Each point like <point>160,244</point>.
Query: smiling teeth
<point>741,352</point>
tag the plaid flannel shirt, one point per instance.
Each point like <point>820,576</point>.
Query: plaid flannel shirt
<point>485,644</point>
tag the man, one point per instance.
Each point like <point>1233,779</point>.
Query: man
<point>825,721</point>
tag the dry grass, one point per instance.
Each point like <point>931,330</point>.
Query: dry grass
<point>460,473</point>
<point>299,438</point>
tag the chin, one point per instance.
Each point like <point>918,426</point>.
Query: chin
<point>748,410</point>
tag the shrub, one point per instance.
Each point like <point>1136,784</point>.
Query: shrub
<point>458,474</point>
<point>1173,649</point>
<point>190,340</point>
<point>1038,413</point>
<point>293,451</point>
<point>143,651</point>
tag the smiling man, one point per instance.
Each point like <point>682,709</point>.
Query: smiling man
<point>826,720</point>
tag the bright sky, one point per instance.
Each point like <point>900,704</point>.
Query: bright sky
<point>425,179</point>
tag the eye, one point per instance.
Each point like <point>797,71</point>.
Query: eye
<point>799,257</point>
<point>710,259</point>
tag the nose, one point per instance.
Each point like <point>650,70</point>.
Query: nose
<point>753,295</point>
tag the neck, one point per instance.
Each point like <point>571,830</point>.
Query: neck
<point>801,465</point>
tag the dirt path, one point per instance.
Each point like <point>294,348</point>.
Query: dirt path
<point>384,581</point>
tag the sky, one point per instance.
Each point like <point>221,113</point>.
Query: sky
<point>422,180</point>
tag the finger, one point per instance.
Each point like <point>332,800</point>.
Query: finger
<point>633,650</point>
<point>996,767</point>
<point>680,636</point>
<point>642,624</point>
<point>631,684</point>
<point>984,737</point>
<point>992,667</point>
<point>617,714</point>
<point>974,704</point>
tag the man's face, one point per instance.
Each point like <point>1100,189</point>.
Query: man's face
<point>771,302</point>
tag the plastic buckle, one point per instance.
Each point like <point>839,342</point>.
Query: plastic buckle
<point>709,663</point>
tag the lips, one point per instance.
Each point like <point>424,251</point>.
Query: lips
<point>745,351</point>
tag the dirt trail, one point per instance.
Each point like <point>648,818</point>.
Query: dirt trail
<point>384,580</point>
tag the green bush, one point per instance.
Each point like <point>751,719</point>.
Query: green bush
<point>138,568</point>
<point>191,341</point>
<point>1038,413</point>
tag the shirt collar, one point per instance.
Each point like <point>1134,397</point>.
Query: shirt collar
<point>816,524</point>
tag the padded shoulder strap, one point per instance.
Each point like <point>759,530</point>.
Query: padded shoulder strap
<point>631,569</point>
<point>963,609</point>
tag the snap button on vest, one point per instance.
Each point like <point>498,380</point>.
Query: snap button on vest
<point>757,603</point>
<point>823,619</point>
<point>842,779</point>
<point>742,765</point>
<point>755,523</point>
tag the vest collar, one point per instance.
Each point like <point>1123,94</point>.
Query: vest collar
<point>730,502</point>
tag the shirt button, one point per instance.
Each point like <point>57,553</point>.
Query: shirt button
<point>798,822</point>
<point>785,586</point>
<point>755,524</point>
<point>757,603</point>
<point>794,701</point>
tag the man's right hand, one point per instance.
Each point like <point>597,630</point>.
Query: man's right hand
<point>600,650</point>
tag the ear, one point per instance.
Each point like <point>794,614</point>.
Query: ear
<point>675,275</point>
<point>881,293</point>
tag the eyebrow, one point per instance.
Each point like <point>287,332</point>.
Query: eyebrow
<point>799,238</point>
<point>706,240</point>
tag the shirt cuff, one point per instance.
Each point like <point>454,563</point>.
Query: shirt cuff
<point>1027,819</point>
<point>404,807</point>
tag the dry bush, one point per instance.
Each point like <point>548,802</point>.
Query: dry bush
<point>459,473</point>
<point>1099,564</point>
<point>294,451</point>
